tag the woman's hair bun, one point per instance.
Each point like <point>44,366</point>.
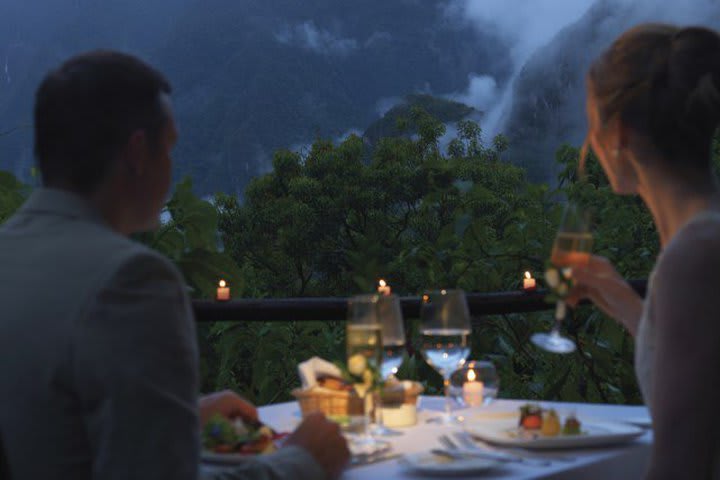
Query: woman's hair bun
<point>693,71</point>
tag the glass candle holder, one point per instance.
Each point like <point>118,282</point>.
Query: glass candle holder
<point>475,384</point>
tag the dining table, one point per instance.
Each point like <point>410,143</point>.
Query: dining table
<point>625,460</point>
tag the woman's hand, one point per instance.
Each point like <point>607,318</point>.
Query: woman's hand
<point>599,282</point>
<point>228,404</point>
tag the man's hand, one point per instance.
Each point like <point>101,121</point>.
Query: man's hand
<point>322,439</point>
<point>228,404</point>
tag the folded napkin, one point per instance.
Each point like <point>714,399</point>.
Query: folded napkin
<point>310,370</point>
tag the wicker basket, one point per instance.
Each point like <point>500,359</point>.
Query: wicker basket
<point>329,402</point>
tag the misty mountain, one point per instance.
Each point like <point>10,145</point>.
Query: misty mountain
<point>248,76</point>
<point>446,111</point>
<point>548,106</point>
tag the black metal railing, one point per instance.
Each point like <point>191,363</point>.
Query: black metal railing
<point>335,308</point>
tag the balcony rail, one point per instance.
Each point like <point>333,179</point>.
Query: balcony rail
<point>335,308</point>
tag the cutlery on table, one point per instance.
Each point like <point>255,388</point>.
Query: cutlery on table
<point>478,452</point>
<point>470,442</point>
<point>369,459</point>
<point>462,455</point>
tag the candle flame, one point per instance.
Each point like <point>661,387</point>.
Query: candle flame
<point>382,283</point>
<point>222,284</point>
<point>527,275</point>
<point>471,375</point>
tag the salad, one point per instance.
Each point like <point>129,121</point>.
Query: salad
<point>222,435</point>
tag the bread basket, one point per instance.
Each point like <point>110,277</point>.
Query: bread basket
<point>329,402</point>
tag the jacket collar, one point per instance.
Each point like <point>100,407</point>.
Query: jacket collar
<point>53,201</point>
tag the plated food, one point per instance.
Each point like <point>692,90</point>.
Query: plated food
<point>536,428</point>
<point>535,421</point>
<point>224,436</point>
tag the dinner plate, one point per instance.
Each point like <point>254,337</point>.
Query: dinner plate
<point>431,464</point>
<point>645,422</point>
<point>594,433</point>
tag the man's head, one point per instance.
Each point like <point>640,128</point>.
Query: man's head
<point>104,129</point>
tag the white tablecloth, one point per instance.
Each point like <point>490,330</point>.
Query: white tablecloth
<point>625,461</point>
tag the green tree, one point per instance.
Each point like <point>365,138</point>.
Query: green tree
<point>12,195</point>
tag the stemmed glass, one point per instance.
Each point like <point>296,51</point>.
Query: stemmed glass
<point>572,247</point>
<point>444,329</point>
<point>393,348</point>
<point>364,353</point>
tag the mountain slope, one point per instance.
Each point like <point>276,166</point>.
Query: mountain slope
<point>251,76</point>
<point>549,95</point>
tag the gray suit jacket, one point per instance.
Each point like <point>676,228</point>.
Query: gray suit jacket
<point>99,373</point>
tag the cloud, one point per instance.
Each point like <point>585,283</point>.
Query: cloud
<point>306,35</point>
<point>696,12</point>
<point>345,135</point>
<point>378,38</point>
<point>482,92</point>
<point>525,25</point>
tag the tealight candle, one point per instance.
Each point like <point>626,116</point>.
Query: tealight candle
<point>529,282</point>
<point>223,292</point>
<point>384,288</point>
<point>473,390</point>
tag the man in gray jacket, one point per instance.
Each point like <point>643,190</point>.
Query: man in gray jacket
<point>97,338</point>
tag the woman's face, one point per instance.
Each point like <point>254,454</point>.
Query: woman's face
<point>605,142</point>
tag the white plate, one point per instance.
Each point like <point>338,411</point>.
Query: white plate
<point>645,422</point>
<point>429,464</point>
<point>594,434</point>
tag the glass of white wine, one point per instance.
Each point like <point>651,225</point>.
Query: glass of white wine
<point>444,329</point>
<point>571,248</point>
<point>364,354</point>
<point>393,350</point>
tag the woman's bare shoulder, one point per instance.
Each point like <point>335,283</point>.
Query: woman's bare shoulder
<point>695,246</point>
<point>687,276</point>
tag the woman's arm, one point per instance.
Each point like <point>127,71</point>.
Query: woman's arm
<point>686,391</point>
<point>599,282</point>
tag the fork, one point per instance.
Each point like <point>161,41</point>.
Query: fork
<point>469,442</point>
<point>500,456</point>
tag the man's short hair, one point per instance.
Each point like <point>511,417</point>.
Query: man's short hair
<point>87,109</point>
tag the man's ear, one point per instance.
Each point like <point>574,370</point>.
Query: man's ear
<point>136,153</point>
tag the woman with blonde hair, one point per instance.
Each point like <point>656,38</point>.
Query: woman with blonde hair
<point>653,107</point>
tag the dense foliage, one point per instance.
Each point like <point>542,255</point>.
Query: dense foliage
<point>332,222</point>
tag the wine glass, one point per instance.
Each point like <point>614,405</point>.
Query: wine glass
<point>444,329</point>
<point>393,349</point>
<point>364,353</point>
<point>572,247</point>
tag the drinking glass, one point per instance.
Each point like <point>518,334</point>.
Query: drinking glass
<point>475,384</point>
<point>393,349</point>
<point>364,353</point>
<point>572,247</point>
<point>444,329</point>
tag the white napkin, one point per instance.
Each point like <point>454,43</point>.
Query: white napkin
<point>309,370</point>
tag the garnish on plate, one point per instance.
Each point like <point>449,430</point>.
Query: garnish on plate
<point>572,426</point>
<point>221,435</point>
<point>530,417</point>
<point>551,424</point>
<point>536,422</point>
